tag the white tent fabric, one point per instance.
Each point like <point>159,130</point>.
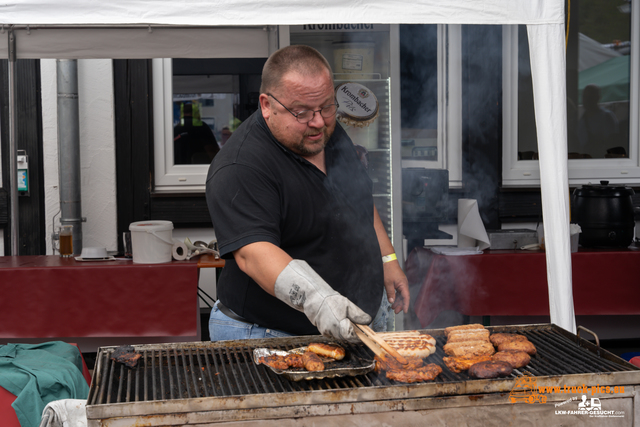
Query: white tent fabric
<point>107,29</point>
<point>546,46</point>
<point>592,53</point>
<point>281,12</point>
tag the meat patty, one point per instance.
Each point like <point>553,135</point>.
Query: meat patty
<point>490,369</point>
<point>426,373</point>
<point>517,359</point>
<point>312,361</point>
<point>524,345</point>
<point>459,364</point>
<point>327,350</point>
<point>499,338</point>
<point>468,348</point>
<point>450,329</point>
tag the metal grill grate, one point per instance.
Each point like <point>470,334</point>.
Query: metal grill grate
<point>197,370</point>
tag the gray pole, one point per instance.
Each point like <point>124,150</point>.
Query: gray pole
<point>69,149</point>
<point>13,155</point>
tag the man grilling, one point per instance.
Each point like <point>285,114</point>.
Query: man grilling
<point>293,211</point>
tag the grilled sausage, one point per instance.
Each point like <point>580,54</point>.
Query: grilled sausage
<point>312,362</point>
<point>468,348</point>
<point>450,329</point>
<point>468,335</point>
<point>490,369</point>
<point>327,350</point>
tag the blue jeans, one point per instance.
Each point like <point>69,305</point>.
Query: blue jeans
<point>385,318</point>
<point>222,327</point>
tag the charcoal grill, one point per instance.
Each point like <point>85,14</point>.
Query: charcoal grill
<point>207,383</point>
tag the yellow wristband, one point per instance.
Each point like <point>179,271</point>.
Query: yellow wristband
<point>389,258</point>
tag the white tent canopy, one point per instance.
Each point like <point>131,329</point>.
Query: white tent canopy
<point>156,28</point>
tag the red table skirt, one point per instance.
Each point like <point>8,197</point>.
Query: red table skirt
<point>510,283</point>
<point>47,296</point>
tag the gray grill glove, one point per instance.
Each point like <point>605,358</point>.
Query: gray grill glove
<point>303,289</point>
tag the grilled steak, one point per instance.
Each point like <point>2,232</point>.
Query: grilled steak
<point>499,338</point>
<point>517,359</point>
<point>524,345</point>
<point>459,364</point>
<point>490,369</point>
<point>294,360</point>
<point>426,373</point>
<point>127,355</point>
<point>276,361</point>
<point>388,363</point>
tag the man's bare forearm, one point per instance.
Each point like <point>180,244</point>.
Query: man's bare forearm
<point>263,262</point>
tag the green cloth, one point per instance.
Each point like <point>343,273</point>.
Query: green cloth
<point>612,77</point>
<point>41,373</point>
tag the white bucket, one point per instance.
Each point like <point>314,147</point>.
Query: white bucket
<point>151,241</point>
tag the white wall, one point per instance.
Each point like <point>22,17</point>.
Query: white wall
<point>97,159</point>
<point>97,151</point>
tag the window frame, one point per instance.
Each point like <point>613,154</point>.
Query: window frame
<point>169,177</point>
<point>449,132</point>
<point>526,173</point>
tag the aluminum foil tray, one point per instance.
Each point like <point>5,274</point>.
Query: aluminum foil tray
<point>351,365</point>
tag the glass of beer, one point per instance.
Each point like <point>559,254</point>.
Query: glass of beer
<point>66,241</point>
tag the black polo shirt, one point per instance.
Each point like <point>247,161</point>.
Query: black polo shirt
<point>259,191</point>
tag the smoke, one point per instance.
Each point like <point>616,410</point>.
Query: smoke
<point>419,76</point>
<point>482,118</point>
<point>351,207</point>
<point>449,286</point>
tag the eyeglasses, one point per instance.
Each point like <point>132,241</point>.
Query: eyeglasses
<point>305,116</point>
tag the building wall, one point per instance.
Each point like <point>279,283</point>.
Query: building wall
<point>97,160</point>
<point>97,151</point>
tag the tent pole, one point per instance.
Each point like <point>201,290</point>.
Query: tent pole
<point>13,156</point>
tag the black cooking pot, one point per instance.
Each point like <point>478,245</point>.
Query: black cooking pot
<point>605,215</point>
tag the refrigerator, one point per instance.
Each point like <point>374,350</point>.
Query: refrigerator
<point>365,61</point>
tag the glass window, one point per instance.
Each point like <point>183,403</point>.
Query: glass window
<point>419,91</point>
<point>600,71</point>
<point>203,102</point>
